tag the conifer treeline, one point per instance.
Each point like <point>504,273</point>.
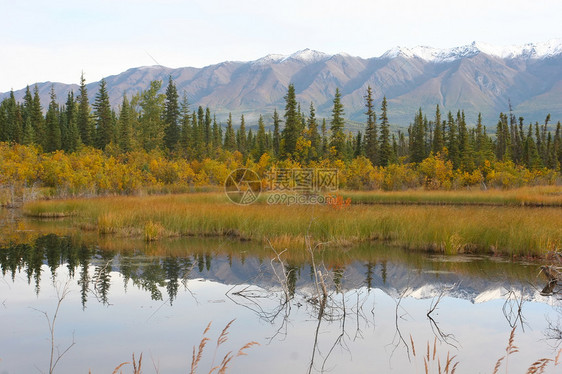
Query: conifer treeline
<point>152,121</point>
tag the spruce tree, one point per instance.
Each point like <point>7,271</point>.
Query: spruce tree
<point>551,161</point>
<point>196,150</point>
<point>479,141</point>
<point>371,132</point>
<point>37,120</point>
<point>85,124</point>
<point>324,138</point>
<point>200,131</point>
<point>171,116</point>
<point>207,130</point>
<point>53,134</point>
<point>151,124</point>
<point>241,137</point>
<point>313,135</point>
<point>28,133</point>
<point>533,158</point>
<point>72,137</point>
<point>12,128</point>
<point>63,126</point>
<point>261,140</point>
<point>467,151</point>
<point>438,142</point>
<point>291,132</point>
<point>102,114</point>
<point>337,138</point>
<point>3,121</point>
<point>358,149</point>
<point>125,126</point>
<point>403,149</point>
<point>276,134</point>
<point>417,139</point>
<point>453,141</point>
<point>27,104</point>
<point>217,138</point>
<point>558,143</point>
<point>230,136</point>
<point>385,153</point>
<point>185,119</point>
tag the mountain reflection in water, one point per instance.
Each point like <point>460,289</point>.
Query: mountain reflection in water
<point>378,302</point>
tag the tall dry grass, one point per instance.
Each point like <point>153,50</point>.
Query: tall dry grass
<point>524,196</point>
<point>198,353</point>
<point>448,229</point>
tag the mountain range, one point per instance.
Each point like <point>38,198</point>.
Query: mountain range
<point>475,78</point>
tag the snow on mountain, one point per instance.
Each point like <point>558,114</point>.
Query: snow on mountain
<point>305,55</point>
<point>269,59</point>
<point>308,55</point>
<point>432,54</point>
<point>483,85</point>
<point>547,49</point>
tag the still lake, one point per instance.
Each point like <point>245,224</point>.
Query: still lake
<point>126,297</point>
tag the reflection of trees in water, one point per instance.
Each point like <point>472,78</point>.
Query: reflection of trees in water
<point>553,332</point>
<point>163,276</point>
<point>148,273</point>
<point>324,300</point>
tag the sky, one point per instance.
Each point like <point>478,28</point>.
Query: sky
<point>57,40</point>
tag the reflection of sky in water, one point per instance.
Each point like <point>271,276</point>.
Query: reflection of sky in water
<point>106,336</point>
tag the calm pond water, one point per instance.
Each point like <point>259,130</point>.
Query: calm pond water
<point>127,297</point>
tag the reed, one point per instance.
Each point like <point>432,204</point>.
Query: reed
<point>432,361</point>
<point>522,231</point>
<point>524,196</point>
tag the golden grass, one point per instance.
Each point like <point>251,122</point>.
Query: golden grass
<point>432,362</point>
<point>221,340</point>
<point>448,229</point>
<point>198,352</point>
<point>524,196</point>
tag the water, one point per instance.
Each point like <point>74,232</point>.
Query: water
<point>158,299</point>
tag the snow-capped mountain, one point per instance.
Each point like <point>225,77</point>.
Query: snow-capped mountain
<point>547,49</point>
<point>476,78</point>
<point>306,56</point>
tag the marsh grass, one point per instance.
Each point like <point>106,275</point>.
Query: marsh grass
<point>198,353</point>
<point>432,362</point>
<point>539,366</point>
<point>448,229</point>
<point>525,196</point>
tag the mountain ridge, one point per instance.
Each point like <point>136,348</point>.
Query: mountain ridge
<point>477,77</point>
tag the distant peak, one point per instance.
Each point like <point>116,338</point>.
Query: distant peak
<point>270,58</point>
<point>305,55</point>
<point>308,55</point>
<point>151,67</point>
<point>530,51</point>
<point>432,54</point>
<point>546,49</point>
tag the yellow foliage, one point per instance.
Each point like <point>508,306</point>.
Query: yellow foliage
<point>90,171</point>
<point>399,177</point>
<point>465,179</point>
<point>303,149</point>
<point>360,174</point>
<point>216,172</point>
<point>436,173</point>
